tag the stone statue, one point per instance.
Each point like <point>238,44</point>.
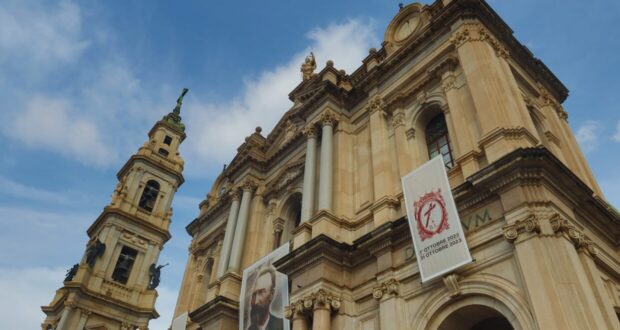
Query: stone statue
<point>71,272</point>
<point>308,67</point>
<point>94,251</point>
<point>177,108</point>
<point>154,275</point>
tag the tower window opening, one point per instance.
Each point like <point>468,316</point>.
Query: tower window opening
<point>438,140</point>
<point>149,195</point>
<point>163,152</point>
<point>124,264</point>
<point>167,140</point>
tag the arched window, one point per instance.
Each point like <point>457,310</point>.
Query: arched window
<point>149,195</point>
<point>438,140</point>
<point>291,213</point>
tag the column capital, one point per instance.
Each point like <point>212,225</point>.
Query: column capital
<point>472,32</point>
<point>321,299</point>
<point>529,225</point>
<point>310,131</point>
<point>234,195</point>
<point>375,104</point>
<point>70,304</point>
<point>389,287</point>
<point>328,119</point>
<point>249,185</point>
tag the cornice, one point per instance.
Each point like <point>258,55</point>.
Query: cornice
<point>107,211</point>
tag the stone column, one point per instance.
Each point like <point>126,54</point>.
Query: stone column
<point>63,324</point>
<point>390,315</point>
<point>321,318</point>
<point>83,317</point>
<point>307,199</point>
<point>242,225</point>
<point>327,163</point>
<point>231,225</point>
<point>402,147</point>
<point>300,321</point>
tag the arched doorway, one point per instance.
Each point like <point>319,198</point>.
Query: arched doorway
<point>475,317</point>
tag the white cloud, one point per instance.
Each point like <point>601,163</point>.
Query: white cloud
<point>50,123</point>
<point>16,189</point>
<point>616,136</point>
<point>25,291</point>
<point>216,130</point>
<point>587,135</point>
<point>41,34</point>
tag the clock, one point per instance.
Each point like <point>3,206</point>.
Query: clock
<point>406,27</point>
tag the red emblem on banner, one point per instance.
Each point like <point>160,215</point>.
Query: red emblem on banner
<point>431,215</point>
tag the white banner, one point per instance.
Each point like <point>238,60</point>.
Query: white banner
<point>438,238</point>
<point>264,294</point>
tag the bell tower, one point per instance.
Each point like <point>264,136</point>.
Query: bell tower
<point>114,284</point>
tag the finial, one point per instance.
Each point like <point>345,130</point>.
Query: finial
<point>258,129</point>
<point>308,67</point>
<point>400,6</point>
<point>177,108</point>
<point>329,63</point>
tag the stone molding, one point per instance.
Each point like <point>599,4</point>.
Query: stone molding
<point>321,299</point>
<point>388,288</point>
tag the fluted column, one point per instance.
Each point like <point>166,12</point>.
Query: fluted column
<point>307,199</point>
<point>228,235</point>
<point>327,163</point>
<point>242,225</point>
<point>300,321</point>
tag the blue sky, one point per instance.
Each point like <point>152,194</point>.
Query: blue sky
<point>81,83</point>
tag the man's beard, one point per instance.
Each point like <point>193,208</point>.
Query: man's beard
<point>258,315</point>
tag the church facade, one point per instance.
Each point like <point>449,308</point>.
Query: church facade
<point>450,79</point>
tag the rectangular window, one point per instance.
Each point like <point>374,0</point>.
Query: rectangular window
<point>163,152</point>
<point>124,264</point>
<point>167,140</point>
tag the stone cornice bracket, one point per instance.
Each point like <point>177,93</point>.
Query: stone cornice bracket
<point>452,284</point>
<point>471,32</point>
<point>577,237</point>
<point>549,100</point>
<point>278,225</point>
<point>529,225</point>
<point>388,288</point>
<point>398,118</point>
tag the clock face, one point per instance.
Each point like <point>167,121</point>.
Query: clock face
<point>406,27</point>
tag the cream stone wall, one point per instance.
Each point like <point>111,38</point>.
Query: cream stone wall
<point>545,242</point>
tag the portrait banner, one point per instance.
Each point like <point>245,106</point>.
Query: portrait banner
<point>264,294</point>
<point>436,230</point>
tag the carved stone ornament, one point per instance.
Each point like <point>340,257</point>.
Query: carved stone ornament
<point>452,284</point>
<point>448,83</point>
<point>528,225</point>
<point>375,104</point>
<point>398,118</point>
<point>328,119</point>
<point>477,32</point>
<point>576,236</point>
<point>310,131</point>
<point>249,185</point>
<point>389,287</point>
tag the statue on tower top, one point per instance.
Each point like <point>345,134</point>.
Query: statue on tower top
<point>308,67</point>
<point>174,117</point>
<point>177,108</point>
